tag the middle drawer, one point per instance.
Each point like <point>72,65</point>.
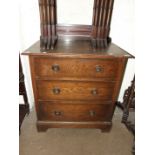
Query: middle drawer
<point>74,90</point>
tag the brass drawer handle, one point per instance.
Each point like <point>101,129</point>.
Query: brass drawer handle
<point>98,68</point>
<point>92,113</point>
<point>94,91</point>
<point>57,113</point>
<point>56,67</point>
<point>56,91</point>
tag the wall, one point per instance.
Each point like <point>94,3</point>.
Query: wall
<point>76,14</point>
<point>122,33</point>
<point>29,33</point>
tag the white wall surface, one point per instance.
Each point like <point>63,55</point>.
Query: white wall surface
<point>122,31</point>
<point>79,12</point>
<point>29,22</point>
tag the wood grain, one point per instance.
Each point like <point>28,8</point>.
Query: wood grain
<point>102,13</point>
<point>76,68</point>
<point>48,38</point>
<point>76,86</point>
<point>69,112</point>
<point>78,48</point>
<point>74,90</point>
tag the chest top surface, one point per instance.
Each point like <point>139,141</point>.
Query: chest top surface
<point>77,48</point>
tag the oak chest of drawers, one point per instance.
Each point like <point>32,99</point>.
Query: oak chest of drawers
<point>76,86</point>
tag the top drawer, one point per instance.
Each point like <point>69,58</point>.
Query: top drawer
<point>86,68</point>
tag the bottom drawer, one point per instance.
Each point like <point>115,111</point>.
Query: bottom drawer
<point>73,112</point>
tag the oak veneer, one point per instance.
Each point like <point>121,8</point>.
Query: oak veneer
<point>76,71</point>
<point>74,90</point>
<point>71,112</point>
<point>75,85</point>
<point>47,67</point>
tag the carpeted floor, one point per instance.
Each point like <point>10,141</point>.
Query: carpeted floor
<point>75,141</point>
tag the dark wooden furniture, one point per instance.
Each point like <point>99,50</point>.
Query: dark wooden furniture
<point>76,71</point>
<point>129,110</point>
<point>128,102</point>
<point>48,22</point>
<point>128,107</point>
<point>23,108</point>
<point>102,12</point>
<point>75,85</point>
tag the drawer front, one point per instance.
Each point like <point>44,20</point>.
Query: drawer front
<point>71,90</point>
<point>85,68</point>
<point>71,112</point>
